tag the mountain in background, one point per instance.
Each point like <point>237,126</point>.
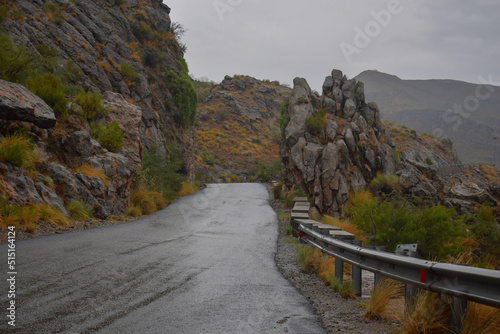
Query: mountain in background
<point>466,113</point>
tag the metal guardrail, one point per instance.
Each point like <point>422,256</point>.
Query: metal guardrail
<point>459,281</point>
<point>475,284</point>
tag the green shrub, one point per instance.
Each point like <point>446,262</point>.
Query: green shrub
<point>385,183</point>
<point>109,136</point>
<point>183,92</point>
<point>393,220</point>
<point>91,104</point>
<point>16,62</point>
<point>50,89</point>
<point>397,156</point>
<point>429,161</point>
<point>291,195</point>
<point>316,123</point>
<point>486,232</point>
<point>121,2</point>
<point>128,71</point>
<point>19,150</point>
<point>79,210</point>
<point>264,173</point>
<point>142,31</point>
<point>285,117</point>
<point>161,171</point>
<point>55,11</point>
<point>134,211</point>
<point>209,158</point>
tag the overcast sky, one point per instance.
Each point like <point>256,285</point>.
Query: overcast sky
<point>283,39</point>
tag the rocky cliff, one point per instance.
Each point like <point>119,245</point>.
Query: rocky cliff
<point>335,143</point>
<point>128,54</point>
<point>347,149</point>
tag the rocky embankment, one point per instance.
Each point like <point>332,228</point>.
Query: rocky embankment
<point>126,52</point>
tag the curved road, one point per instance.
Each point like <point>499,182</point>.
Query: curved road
<point>205,264</point>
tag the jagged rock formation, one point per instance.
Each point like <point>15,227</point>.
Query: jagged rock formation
<point>238,124</point>
<point>126,52</point>
<point>342,157</point>
<point>355,145</point>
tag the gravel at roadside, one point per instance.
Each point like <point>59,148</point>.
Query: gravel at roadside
<point>339,315</point>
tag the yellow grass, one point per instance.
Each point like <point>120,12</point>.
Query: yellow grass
<point>481,319</point>
<point>188,189</point>
<point>385,294</point>
<point>90,171</point>
<point>26,217</point>
<point>147,201</point>
<point>344,225</point>
<point>430,314</point>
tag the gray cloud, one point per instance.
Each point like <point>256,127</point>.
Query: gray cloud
<point>282,39</point>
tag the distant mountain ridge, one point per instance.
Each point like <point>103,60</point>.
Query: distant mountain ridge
<point>466,113</point>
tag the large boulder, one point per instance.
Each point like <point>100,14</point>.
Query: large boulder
<point>19,104</point>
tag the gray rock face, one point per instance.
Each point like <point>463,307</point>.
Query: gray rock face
<point>18,103</point>
<point>338,160</point>
<point>299,109</point>
<point>97,37</point>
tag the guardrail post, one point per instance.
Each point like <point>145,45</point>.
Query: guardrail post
<point>357,273</point>
<point>377,277</point>
<point>410,291</point>
<point>458,309</point>
<point>339,269</point>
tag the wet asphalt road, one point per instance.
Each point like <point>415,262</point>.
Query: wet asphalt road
<point>203,265</point>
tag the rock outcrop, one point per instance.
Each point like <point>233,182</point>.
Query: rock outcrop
<point>19,104</point>
<point>345,154</point>
<point>354,145</point>
<point>68,146</point>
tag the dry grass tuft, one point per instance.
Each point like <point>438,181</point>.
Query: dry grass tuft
<point>90,171</point>
<point>386,291</point>
<point>146,201</point>
<point>134,211</point>
<point>79,210</point>
<point>26,217</point>
<point>430,314</point>
<point>481,319</point>
<point>188,189</point>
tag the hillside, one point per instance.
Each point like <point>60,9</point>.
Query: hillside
<point>237,131</point>
<point>463,112</point>
<point>96,108</point>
